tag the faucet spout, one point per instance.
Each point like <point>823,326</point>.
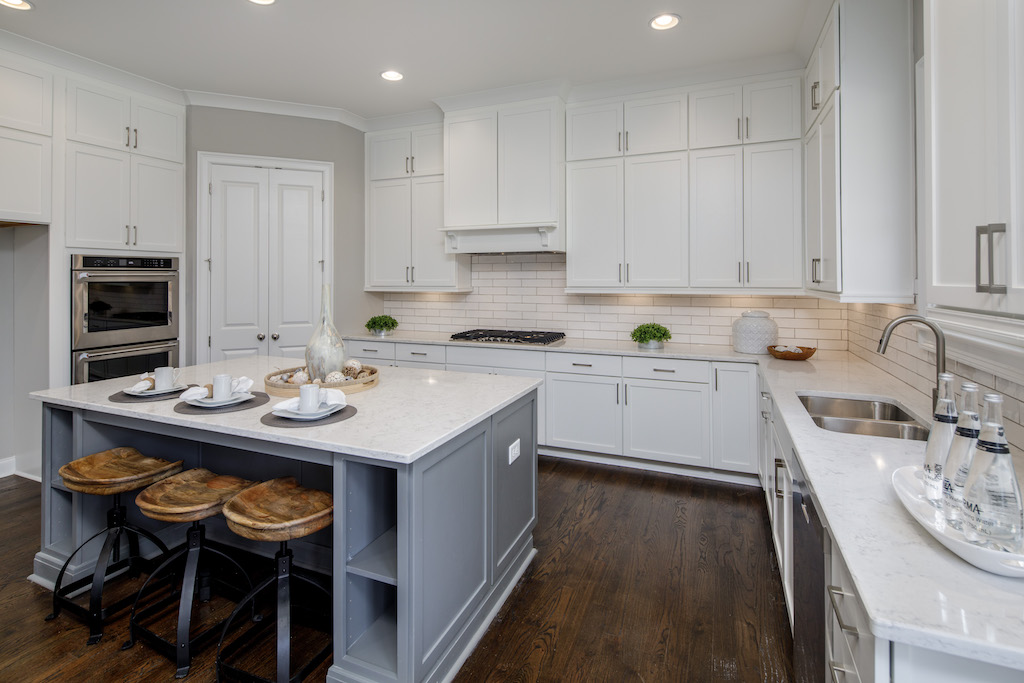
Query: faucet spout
<point>940,343</point>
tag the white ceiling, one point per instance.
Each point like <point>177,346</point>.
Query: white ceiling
<point>330,52</point>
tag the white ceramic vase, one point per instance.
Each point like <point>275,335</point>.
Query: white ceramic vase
<point>754,332</point>
<point>325,352</point>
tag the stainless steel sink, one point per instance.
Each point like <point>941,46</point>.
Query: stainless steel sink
<point>870,417</point>
<point>894,430</point>
<point>862,409</point>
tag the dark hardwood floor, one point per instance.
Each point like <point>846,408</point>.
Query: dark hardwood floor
<point>639,576</point>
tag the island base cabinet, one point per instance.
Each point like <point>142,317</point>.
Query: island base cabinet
<point>917,665</point>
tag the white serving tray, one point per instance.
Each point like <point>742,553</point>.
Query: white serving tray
<point>909,485</point>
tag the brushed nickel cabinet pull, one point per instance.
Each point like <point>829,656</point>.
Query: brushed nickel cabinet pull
<point>582,365</point>
<point>748,127</point>
<point>625,387</point>
<point>136,138</point>
<point>620,140</point>
<point>748,263</point>
<point>127,136</point>
<point>136,241</point>
<point>127,235</point>
<point>738,136</point>
<point>412,164</point>
<point>814,96</point>
<point>407,273</point>
<point>627,265</point>
<point>620,272</point>
<point>990,230</point>
<point>407,164</point>
<point>833,591</point>
<point>417,353</point>
<point>663,370</point>
<point>616,394</point>
<point>739,272</point>
<point>370,350</point>
<point>412,278</point>
<point>627,140</point>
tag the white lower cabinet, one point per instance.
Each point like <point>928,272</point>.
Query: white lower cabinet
<point>733,410</point>
<point>666,421</point>
<point>584,412</point>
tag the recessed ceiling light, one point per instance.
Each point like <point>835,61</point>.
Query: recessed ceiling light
<point>665,21</point>
<point>258,2</point>
<point>16,4</point>
<point>392,76</point>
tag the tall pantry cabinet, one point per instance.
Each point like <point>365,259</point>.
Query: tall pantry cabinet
<point>26,127</point>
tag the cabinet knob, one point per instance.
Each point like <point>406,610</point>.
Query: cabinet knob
<point>275,336</point>
<point>261,336</point>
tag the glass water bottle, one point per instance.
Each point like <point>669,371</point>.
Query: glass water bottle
<point>961,453</point>
<point>940,438</point>
<point>993,514</point>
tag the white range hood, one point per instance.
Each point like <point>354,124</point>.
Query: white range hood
<point>504,239</point>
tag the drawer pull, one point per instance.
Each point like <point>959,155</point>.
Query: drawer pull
<point>833,668</point>
<point>663,370</point>
<point>417,353</point>
<point>370,350</point>
<point>833,591</point>
<point>582,365</point>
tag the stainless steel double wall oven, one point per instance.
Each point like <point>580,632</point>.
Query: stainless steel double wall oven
<point>124,317</point>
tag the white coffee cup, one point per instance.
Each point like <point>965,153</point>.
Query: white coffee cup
<point>221,387</point>
<point>309,398</point>
<point>165,377</point>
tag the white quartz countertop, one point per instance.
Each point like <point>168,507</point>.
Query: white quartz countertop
<point>408,414</point>
<point>710,352</point>
<point>913,589</point>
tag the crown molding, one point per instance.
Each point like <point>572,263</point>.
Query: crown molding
<point>416,118</point>
<point>261,106</point>
<point>514,93</point>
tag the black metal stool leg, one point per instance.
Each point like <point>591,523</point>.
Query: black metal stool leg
<point>63,570</point>
<point>142,591</point>
<point>284,623</point>
<point>188,587</point>
<point>99,576</point>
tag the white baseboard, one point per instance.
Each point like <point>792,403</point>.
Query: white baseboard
<point>33,476</point>
<point>8,466</point>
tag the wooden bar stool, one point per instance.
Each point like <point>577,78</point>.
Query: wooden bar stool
<point>190,496</point>
<point>276,510</point>
<point>108,473</point>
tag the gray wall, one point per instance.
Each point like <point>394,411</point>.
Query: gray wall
<point>239,132</point>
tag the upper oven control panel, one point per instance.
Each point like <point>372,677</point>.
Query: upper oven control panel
<point>123,262</point>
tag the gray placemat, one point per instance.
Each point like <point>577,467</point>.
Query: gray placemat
<point>121,397</point>
<point>186,409</point>
<point>272,420</point>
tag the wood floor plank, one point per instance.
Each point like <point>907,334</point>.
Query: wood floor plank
<point>639,576</point>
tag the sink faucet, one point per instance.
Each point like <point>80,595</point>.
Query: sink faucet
<point>940,344</point>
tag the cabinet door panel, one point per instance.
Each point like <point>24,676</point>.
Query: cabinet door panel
<point>771,110</point>
<point>830,272</point>
<point>527,183</point>
<point>471,170</point>
<point>27,103</point>
<point>434,268</point>
<point>427,152</point>
<point>389,248</point>
<point>771,210</point>
<point>812,206</point>
<point>25,176</point>
<point>594,199</point>
<point>828,56</point>
<point>715,117</point>
<point>158,204</point>
<point>656,220</point>
<point>295,256</point>
<point>98,116</point>
<point>657,124</point>
<point>98,197</point>
<point>239,229</point>
<point>733,410</point>
<point>593,132</point>
<point>158,129</point>
<point>388,156</point>
<point>667,421</point>
<point>584,412</point>
<point>812,92</point>
<point>716,217</point>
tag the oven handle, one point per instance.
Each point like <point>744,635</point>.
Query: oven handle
<point>120,351</point>
<point>144,275</point>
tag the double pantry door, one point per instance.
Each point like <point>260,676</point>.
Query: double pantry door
<point>266,259</point>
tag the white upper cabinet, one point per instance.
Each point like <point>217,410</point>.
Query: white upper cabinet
<point>27,101</point>
<point>158,204</point>
<point>745,216</point>
<point>755,112</point>
<point>635,126</point>
<point>594,213</point>
<point>406,152</point>
<point>25,176</point>
<point>471,168</point>
<point>505,178</point>
<point>824,270</point>
<point>116,119</point>
<point>974,112</point>
<point>821,77</point>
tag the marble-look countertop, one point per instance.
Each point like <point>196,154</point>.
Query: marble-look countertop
<point>711,352</point>
<point>913,589</point>
<point>408,414</point>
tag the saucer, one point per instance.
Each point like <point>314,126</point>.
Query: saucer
<point>324,410</point>
<point>208,402</point>
<point>155,392</point>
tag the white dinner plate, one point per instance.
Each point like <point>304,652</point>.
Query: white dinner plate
<point>323,412</point>
<point>909,485</point>
<point>155,392</point>
<point>210,403</point>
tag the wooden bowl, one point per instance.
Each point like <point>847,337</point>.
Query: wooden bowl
<point>289,390</point>
<point>805,353</point>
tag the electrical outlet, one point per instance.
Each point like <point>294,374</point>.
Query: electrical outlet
<point>513,451</point>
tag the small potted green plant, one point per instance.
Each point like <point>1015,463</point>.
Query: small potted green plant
<point>651,335</point>
<point>381,325</point>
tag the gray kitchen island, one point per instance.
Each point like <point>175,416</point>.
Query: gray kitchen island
<point>434,485</point>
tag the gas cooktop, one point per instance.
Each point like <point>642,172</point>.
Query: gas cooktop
<point>509,336</point>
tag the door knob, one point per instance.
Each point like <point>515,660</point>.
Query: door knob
<point>261,336</point>
<point>275,336</point>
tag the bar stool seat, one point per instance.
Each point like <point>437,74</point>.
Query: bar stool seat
<point>276,510</point>
<point>111,472</point>
<point>191,496</point>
